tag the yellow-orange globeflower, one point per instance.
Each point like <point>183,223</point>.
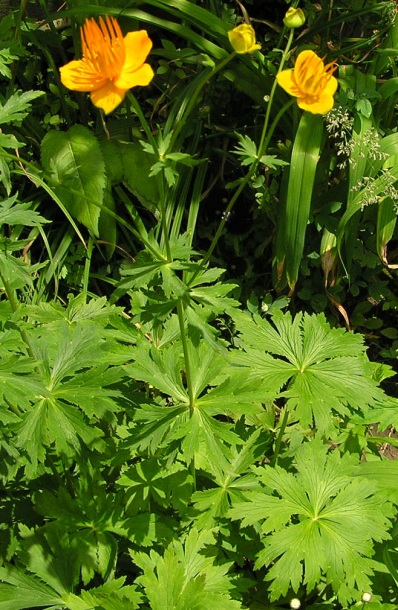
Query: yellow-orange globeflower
<point>311,82</point>
<point>243,39</point>
<point>111,64</point>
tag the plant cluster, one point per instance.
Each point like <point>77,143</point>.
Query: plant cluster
<point>199,205</point>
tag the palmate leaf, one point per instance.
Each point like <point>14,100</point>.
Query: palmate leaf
<point>17,106</point>
<point>148,480</point>
<point>322,369</point>
<point>51,556</point>
<point>81,528</point>
<point>154,426</point>
<point>231,395</point>
<point>20,591</point>
<point>72,387</point>
<point>89,391</point>
<point>160,368</point>
<point>52,573</point>
<point>328,516</point>
<point>55,422</point>
<point>15,272</point>
<point>19,213</point>
<point>211,504</point>
<point>110,596</point>
<point>19,382</point>
<point>77,309</point>
<point>185,576</point>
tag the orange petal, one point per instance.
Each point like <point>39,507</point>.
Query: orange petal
<point>79,76</point>
<point>286,80</point>
<point>325,101</point>
<point>331,86</point>
<point>108,97</point>
<point>140,77</point>
<point>137,46</point>
<point>307,61</point>
<point>322,106</point>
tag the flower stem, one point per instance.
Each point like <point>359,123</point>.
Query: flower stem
<point>187,362</point>
<point>87,264</point>
<point>278,441</point>
<point>244,182</point>
<point>208,75</point>
<point>264,141</point>
<point>144,123</point>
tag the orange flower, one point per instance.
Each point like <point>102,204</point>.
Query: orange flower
<point>311,81</point>
<point>111,64</point>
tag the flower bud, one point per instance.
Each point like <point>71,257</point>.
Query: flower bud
<point>294,18</point>
<point>243,39</point>
<point>295,603</point>
<point>366,597</point>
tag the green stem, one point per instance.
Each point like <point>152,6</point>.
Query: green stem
<point>153,143</point>
<point>188,374</point>
<point>165,237</point>
<point>191,104</point>
<point>244,182</point>
<point>264,141</point>
<point>87,265</point>
<point>144,123</point>
<point>278,441</point>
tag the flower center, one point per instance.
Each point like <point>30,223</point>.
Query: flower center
<point>311,78</point>
<point>103,47</point>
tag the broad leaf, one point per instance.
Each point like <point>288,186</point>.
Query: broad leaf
<point>74,162</point>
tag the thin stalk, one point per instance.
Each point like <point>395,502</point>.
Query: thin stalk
<point>87,265</point>
<point>165,236</point>
<point>278,441</point>
<point>188,373</point>
<point>144,123</point>
<point>153,143</point>
<point>264,141</point>
<point>246,179</point>
<point>165,231</point>
<point>191,104</point>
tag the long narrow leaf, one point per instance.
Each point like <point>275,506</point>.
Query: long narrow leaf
<point>386,221</point>
<point>303,166</point>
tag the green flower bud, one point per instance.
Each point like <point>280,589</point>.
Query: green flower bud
<point>294,18</point>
